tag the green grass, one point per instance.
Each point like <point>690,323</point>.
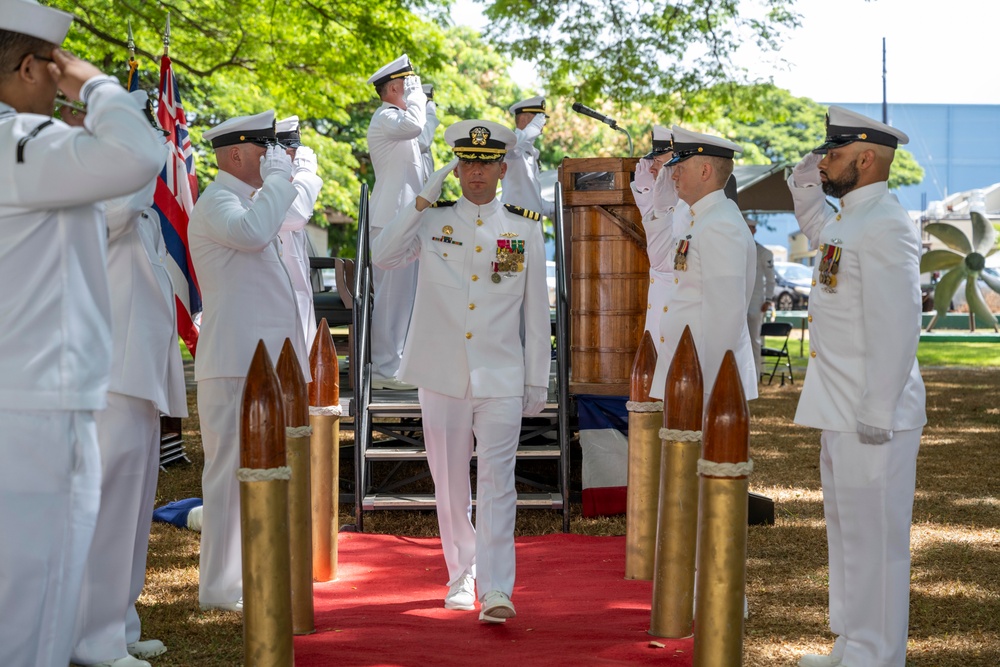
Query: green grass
<point>929,353</point>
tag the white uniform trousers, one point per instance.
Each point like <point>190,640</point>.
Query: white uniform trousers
<point>220,401</point>
<point>147,501</point>
<point>450,425</point>
<point>394,294</point>
<point>128,434</point>
<point>50,490</point>
<point>755,318</point>
<point>868,501</point>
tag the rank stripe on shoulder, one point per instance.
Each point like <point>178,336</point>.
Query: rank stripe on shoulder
<point>442,203</point>
<point>28,137</point>
<point>523,212</point>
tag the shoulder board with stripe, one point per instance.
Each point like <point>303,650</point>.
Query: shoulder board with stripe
<point>442,203</point>
<point>523,212</point>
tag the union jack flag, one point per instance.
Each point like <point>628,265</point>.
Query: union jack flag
<point>176,193</point>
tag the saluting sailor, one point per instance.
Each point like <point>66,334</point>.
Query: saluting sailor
<point>714,263</point>
<point>293,237</point>
<point>55,318</point>
<point>247,297</point>
<point>521,186</point>
<point>863,386</point>
<point>656,199</point>
<point>481,283</point>
<point>393,144</point>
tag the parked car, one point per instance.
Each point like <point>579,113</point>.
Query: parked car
<point>792,285</point>
<point>550,279</point>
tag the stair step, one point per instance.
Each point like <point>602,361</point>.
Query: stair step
<point>376,453</point>
<point>419,501</point>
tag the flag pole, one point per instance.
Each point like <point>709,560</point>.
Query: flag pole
<point>166,37</point>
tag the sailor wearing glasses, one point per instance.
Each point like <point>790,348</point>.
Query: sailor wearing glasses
<point>247,296</point>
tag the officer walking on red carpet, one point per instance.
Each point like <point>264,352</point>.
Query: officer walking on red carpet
<point>481,282</point>
<point>863,386</point>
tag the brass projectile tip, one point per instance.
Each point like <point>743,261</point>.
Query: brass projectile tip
<point>262,426</point>
<point>684,391</point>
<point>293,387</point>
<point>642,370</point>
<point>726,433</point>
<point>324,390</point>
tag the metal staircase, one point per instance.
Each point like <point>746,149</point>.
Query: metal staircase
<point>388,433</point>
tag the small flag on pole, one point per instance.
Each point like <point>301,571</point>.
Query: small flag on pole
<point>176,193</point>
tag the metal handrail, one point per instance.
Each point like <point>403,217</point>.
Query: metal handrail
<point>562,354</point>
<point>361,358</point>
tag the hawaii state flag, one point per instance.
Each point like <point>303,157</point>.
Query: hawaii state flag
<point>176,192</point>
<point>604,442</point>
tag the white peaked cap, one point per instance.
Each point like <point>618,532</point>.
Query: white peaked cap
<point>258,129</point>
<point>27,17</point>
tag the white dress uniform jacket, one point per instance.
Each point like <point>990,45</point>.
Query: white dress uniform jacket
<point>147,361</point>
<point>395,154</point>
<point>465,328</point>
<point>426,140</point>
<point>246,293</point>
<point>863,334</point>
<point>55,352</point>
<point>711,294</point>
<point>520,185</point>
<point>763,285</point>
<point>294,247</point>
<point>660,243</point>
<point>52,245</point>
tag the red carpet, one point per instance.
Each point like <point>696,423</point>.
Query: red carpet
<point>573,608</point>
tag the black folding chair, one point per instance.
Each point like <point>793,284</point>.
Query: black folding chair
<point>780,330</point>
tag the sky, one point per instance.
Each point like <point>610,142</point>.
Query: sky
<point>937,52</point>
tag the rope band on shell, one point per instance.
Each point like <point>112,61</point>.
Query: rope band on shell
<point>263,474</point>
<point>327,411</point>
<point>298,431</point>
<point>713,469</point>
<point>644,406</point>
<point>676,435</point>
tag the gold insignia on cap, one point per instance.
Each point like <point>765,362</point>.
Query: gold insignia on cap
<point>447,230</point>
<point>864,136</point>
<point>242,138</point>
<point>479,135</point>
<point>700,149</point>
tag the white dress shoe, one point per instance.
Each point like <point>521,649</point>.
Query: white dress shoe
<point>813,660</point>
<point>224,606</point>
<point>497,608</point>
<point>462,594</point>
<point>147,648</point>
<point>127,661</point>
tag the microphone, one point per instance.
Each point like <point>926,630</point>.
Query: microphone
<point>596,115</point>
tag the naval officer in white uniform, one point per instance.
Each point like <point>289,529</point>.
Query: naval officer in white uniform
<point>247,296</point>
<point>481,283</point>
<point>521,186</point>
<point>658,224</point>
<point>294,241</point>
<point>714,263</point>
<point>55,318</point>
<point>147,379</point>
<point>393,144</point>
<point>863,386</point>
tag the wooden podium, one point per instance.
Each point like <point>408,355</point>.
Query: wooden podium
<point>608,273</point>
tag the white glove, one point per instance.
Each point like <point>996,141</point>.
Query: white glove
<point>413,92</point>
<point>305,160</point>
<point>538,121</point>
<point>870,435</point>
<point>806,172</point>
<point>275,162</point>
<point>533,401</point>
<point>432,188</point>
<point>642,187</point>
<point>664,190</point>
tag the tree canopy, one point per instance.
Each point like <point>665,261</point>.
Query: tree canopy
<point>643,61</point>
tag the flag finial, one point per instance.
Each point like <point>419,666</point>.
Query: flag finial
<point>131,40</point>
<point>166,36</point>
